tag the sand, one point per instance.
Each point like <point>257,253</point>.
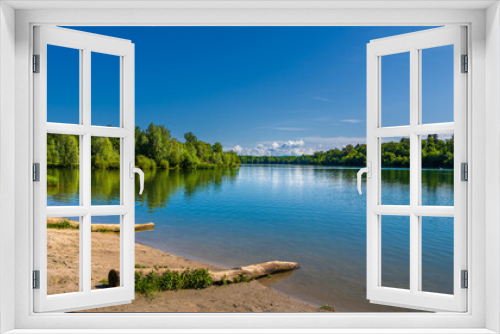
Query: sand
<point>63,276</point>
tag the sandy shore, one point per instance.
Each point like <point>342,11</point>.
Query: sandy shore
<point>63,275</point>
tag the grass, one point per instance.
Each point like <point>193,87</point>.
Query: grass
<point>241,278</point>
<point>148,284</point>
<point>103,230</point>
<point>328,308</point>
<point>238,279</point>
<point>65,224</point>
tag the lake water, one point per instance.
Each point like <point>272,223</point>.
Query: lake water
<point>308,214</point>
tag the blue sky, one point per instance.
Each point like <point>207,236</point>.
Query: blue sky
<point>261,90</point>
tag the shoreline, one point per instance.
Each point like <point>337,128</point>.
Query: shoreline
<point>253,296</point>
<point>223,266</point>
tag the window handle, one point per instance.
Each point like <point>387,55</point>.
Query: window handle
<point>368,171</point>
<point>133,170</point>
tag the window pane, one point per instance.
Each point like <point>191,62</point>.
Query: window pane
<point>395,91</point>
<point>437,84</point>
<point>105,171</point>
<point>437,254</point>
<point>63,255</point>
<point>396,251</point>
<point>63,174</point>
<point>395,175</point>
<point>437,170</point>
<point>63,85</point>
<point>106,249</point>
<point>105,90</point>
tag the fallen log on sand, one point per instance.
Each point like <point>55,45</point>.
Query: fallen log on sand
<point>251,271</point>
<point>63,223</point>
<point>116,227</point>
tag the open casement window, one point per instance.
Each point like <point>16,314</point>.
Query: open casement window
<point>85,293</point>
<point>420,131</point>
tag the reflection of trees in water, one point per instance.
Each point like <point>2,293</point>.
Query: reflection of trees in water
<point>160,185</point>
<point>395,176</point>
<point>105,185</point>
<point>68,183</point>
<point>433,179</point>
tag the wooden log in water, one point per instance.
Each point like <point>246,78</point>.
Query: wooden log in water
<point>144,227</point>
<point>63,222</point>
<point>251,271</point>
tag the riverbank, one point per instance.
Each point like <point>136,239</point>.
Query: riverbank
<point>63,275</point>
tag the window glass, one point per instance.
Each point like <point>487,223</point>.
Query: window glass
<point>63,255</point>
<point>437,84</point>
<point>63,85</point>
<point>395,90</point>
<point>105,90</point>
<point>396,252</point>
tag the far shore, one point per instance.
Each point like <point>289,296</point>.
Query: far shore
<point>254,296</point>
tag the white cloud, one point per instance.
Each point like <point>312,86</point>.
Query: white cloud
<point>352,121</point>
<point>238,149</point>
<point>296,147</point>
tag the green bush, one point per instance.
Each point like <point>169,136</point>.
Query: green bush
<point>164,164</point>
<point>171,280</point>
<point>144,162</point>
<point>328,308</point>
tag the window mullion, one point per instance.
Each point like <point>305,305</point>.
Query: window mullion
<point>414,170</point>
<point>85,173</point>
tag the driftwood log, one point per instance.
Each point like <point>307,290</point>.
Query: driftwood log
<point>251,271</point>
<point>116,227</point>
<point>99,227</point>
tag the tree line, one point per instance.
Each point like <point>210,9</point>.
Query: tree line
<point>436,153</point>
<point>154,148</point>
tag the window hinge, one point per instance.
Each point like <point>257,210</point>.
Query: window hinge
<point>36,172</point>
<point>465,64</point>
<point>36,63</point>
<point>465,279</point>
<point>36,279</point>
<point>464,171</point>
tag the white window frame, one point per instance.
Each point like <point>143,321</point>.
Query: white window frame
<point>85,43</point>
<point>414,43</point>
<point>482,19</point>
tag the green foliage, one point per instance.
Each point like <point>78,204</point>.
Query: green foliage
<point>436,153</point>
<point>62,151</point>
<point>203,165</point>
<point>154,148</point>
<point>65,224</point>
<point>164,164</point>
<point>157,145</point>
<point>171,280</point>
<point>52,181</point>
<point>328,308</point>
<point>144,162</point>
<point>105,153</point>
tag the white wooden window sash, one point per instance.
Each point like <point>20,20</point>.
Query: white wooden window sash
<point>414,297</point>
<point>86,43</point>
